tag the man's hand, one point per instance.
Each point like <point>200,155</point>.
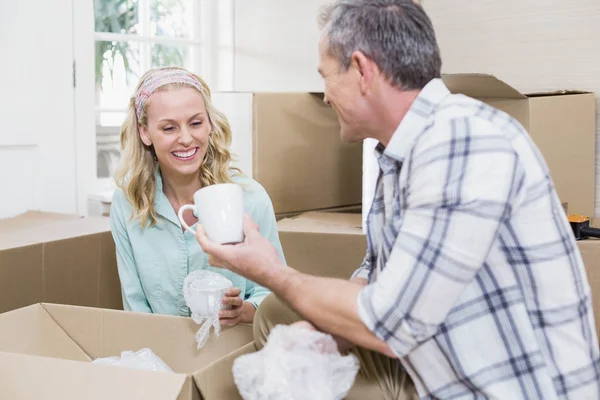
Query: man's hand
<point>253,259</point>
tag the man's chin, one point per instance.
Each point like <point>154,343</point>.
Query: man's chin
<point>350,138</point>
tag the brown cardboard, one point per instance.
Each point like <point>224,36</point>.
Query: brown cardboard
<point>57,258</point>
<point>590,251</point>
<point>27,219</point>
<point>298,155</point>
<point>324,244</point>
<point>356,208</point>
<point>217,380</point>
<point>562,124</point>
<point>25,377</point>
<point>84,334</point>
<point>333,245</point>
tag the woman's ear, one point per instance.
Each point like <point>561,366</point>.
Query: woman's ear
<point>144,135</point>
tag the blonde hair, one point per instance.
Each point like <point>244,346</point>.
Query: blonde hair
<point>136,174</point>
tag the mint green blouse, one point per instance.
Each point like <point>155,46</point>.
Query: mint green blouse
<point>154,261</point>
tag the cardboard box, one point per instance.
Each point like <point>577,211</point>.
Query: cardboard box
<point>25,377</point>
<point>57,258</point>
<point>54,333</point>
<point>290,143</point>
<point>324,244</point>
<point>590,251</point>
<point>333,245</point>
<point>562,124</point>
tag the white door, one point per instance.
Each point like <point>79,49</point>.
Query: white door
<point>37,139</point>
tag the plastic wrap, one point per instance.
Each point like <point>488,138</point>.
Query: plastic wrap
<point>203,292</point>
<point>295,364</point>
<point>142,359</point>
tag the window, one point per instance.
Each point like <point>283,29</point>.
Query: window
<point>132,36</point>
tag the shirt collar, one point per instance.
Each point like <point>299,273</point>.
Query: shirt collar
<point>415,121</point>
<point>162,206</point>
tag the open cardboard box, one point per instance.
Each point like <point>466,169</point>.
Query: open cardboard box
<point>561,123</point>
<point>43,336</point>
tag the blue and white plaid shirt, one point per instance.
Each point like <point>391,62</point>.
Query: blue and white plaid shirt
<point>475,280</point>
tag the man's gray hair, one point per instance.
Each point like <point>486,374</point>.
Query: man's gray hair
<point>396,34</point>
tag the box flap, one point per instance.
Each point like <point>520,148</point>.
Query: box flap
<point>323,222</point>
<point>31,219</point>
<point>105,333</point>
<point>25,377</point>
<point>62,230</point>
<point>30,230</point>
<point>480,86</point>
<point>216,380</point>
<point>558,93</point>
<point>355,208</point>
<point>31,330</point>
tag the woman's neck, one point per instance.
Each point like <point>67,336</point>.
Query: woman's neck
<point>180,189</point>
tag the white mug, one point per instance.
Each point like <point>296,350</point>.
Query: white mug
<point>220,211</point>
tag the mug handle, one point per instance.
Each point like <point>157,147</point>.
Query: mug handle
<point>180,215</point>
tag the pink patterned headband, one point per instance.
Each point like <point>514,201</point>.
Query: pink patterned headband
<point>161,78</point>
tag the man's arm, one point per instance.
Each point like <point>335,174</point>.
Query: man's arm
<point>330,304</point>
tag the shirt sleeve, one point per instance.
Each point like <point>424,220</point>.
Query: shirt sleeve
<point>264,216</point>
<point>134,298</point>
<point>364,270</point>
<point>464,178</point>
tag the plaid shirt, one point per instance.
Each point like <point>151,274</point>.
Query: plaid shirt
<point>475,280</point>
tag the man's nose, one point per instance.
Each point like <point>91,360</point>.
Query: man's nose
<point>326,100</point>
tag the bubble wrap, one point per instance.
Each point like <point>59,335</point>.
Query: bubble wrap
<point>142,359</point>
<point>295,364</point>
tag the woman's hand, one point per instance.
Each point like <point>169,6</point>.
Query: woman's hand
<point>237,310</point>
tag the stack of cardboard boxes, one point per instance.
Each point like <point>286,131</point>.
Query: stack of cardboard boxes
<point>290,143</point>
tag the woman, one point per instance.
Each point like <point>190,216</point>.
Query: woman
<point>175,142</point>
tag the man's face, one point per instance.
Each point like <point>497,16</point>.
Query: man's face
<point>342,92</point>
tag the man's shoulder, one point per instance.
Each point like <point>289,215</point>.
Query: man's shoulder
<point>458,107</point>
<point>462,123</point>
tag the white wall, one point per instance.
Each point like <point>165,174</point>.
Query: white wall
<point>276,45</point>
<point>37,150</point>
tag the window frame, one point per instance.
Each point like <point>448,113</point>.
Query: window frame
<point>213,36</point>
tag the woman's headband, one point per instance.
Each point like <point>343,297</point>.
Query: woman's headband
<point>161,78</point>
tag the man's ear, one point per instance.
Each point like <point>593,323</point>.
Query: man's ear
<point>366,68</point>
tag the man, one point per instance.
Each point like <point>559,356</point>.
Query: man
<point>474,283</point>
